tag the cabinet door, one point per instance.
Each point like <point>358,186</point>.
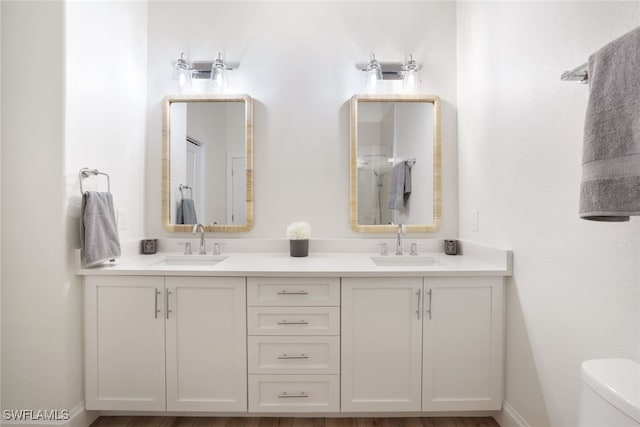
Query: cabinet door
<point>124,343</point>
<point>381,344</point>
<point>206,344</point>
<point>463,344</point>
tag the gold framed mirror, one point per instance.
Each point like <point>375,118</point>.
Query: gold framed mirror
<point>207,163</point>
<point>395,163</point>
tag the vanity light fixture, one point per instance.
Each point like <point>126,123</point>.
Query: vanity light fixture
<point>410,77</point>
<point>215,70</point>
<point>376,71</point>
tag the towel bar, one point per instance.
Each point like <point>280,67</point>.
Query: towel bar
<point>185,187</point>
<point>411,161</point>
<point>579,74</point>
<point>86,172</point>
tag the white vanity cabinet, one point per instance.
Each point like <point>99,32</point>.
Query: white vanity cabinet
<point>139,327</point>
<point>294,344</point>
<point>206,347</point>
<point>463,343</point>
<point>381,344</point>
<point>422,344</point>
<point>124,343</point>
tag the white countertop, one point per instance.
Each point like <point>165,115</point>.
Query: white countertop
<point>494,263</point>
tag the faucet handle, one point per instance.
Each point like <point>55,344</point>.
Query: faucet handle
<point>187,247</point>
<point>414,249</point>
<point>216,249</point>
<point>383,248</point>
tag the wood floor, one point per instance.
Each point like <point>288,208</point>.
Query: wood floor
<point>293,422</point>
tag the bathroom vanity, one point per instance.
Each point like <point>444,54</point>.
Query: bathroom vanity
<point>267,333</point>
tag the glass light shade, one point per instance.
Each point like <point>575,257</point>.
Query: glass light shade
<point>182,74</point>
<point>183,78</point>
<point>219,78</point>
<point>371,79</point>
<point>411,80</point>
<point>373,74</point>
<point>219,74</point>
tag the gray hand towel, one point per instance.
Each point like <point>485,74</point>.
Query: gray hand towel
<point>400,185</point>
<point>98,229</point>
<point>610,188</point>
<point>187,212</point>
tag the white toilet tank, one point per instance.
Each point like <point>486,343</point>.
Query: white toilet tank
<point>610,393</point>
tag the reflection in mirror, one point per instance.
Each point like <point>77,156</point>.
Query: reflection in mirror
<point>395,163</point>
<point>207,163</point>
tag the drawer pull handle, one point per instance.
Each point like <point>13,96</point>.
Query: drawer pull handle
<point>285,292</point>
<point>293,322</point>
<point>293,356</point>
<point>286,395</point>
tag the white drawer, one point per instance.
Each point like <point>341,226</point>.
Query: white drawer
<point>294,355</point>
<point>293,320</point>
<point>296,393</point>
<point>293,291</point>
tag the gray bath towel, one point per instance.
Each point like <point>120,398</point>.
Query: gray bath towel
<point>610,189</point>
<point>187,212</point>
<point>400,187</point>
<point>98,229</point>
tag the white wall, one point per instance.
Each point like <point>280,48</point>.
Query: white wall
<point>36,296</point>
<point>0,212</point>
<point>73,86</point>
<point>575,290</point>
<point>106,69</point>
<point>297,60</point>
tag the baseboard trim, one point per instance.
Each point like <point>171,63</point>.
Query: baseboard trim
<point>78,417</point>
<point>509,417</point>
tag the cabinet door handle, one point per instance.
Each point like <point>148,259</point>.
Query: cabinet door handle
<point>285,292</point>
<point>156,310</point>
<point>418,308</point>
<point>430,297</point>
<point>293,322</point>
<point>166,302</point>
<point>293,356</point>
<point>286,395</point>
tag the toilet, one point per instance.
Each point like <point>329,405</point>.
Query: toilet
<point>610,393</point>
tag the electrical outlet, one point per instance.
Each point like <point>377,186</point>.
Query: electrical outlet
<point>123,219</point>
<point>475,220</point>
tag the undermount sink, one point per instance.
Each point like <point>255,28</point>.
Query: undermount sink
<point>190,260</point>
<point>404,261</point>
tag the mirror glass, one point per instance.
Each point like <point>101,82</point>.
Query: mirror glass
<point>395,163</point>
<point>208,163</point>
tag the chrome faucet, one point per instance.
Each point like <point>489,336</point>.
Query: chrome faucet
<point>203,250</point>
<point>401,232</point>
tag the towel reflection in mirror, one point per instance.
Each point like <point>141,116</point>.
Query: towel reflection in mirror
<point>400,188</point>
<point>186,209</point>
